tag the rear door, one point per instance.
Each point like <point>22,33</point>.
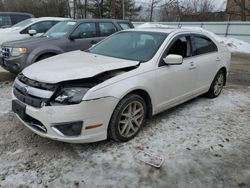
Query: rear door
<point>206,59</point>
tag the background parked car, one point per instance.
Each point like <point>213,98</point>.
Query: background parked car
<point>28,28</point>
<point>63,37</point>
<point>7,19</point>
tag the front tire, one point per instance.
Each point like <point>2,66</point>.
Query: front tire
<point>217,85</point>
<point>128,118</point>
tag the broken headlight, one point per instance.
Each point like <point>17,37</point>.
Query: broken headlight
<point>73,95</point>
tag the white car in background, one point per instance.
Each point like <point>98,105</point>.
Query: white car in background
<point>28,28</point>
<point>110,90</point>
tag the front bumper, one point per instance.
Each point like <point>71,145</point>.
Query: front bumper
<point>13,64</point>
<point>93,112</point>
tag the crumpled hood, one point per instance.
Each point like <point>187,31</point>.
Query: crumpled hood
<point>74,65</point>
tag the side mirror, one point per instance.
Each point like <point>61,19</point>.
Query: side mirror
<point>173,59</point>
<point>32,32</point>
<point>74,36</point>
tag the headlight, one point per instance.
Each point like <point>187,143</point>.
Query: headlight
<point>72,95</point>
<point>18,51</point>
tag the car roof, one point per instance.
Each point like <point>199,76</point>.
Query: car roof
<point>49,18</point>
<point>16,13</point>
<point>116,20</point>
<point>166,30</point>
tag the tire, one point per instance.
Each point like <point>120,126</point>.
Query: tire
<point>128,118</point>
<point>217,85</point>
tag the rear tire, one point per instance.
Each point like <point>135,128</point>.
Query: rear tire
<point>128,118</point>
<point>217,85</point>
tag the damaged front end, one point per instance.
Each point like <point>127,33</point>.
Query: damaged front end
<point>38,94</point>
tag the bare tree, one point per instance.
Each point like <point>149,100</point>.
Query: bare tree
<point>189,10</point>
<point>153,5</point>
<point>244,8</point>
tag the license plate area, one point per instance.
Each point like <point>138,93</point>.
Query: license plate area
<point>19,108</point>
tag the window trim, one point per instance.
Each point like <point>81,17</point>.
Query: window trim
<point>194,46</point>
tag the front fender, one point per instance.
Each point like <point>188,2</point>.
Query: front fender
<point>43,50</point>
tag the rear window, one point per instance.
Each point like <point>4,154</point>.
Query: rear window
<point>107,28</point>
<point>203,45</point>
<point>125,25</point>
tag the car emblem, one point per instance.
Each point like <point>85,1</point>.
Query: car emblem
<point>25,89</point>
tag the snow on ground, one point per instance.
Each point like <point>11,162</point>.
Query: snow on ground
<point>205,143</point>
<point>234,45</point>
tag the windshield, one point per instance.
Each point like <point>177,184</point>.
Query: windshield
<point>24,23</point>
<point>60,30</point>
<point>132,45</point>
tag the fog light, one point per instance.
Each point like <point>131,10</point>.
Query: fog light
<point>69,129</point>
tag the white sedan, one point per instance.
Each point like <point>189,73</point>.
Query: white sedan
<point>110,90</point>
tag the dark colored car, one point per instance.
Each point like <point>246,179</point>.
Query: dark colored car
<point>63,37</point>
<point>8,19</point>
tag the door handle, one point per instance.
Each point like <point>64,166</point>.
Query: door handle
<point>192,66</point>
<point>217,59</point>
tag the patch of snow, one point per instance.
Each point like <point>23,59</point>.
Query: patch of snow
<point>234,45</point>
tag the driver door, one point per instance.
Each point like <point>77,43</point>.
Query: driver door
<point>85,35</point>
<point>176,83</point>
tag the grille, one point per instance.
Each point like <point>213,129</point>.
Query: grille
<point>28,99</point>
<point>5,52</point>
<point>31,92</point>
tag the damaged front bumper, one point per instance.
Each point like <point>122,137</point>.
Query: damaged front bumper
<point>79,123</point>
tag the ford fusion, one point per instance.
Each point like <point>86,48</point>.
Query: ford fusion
<point>110,90</point>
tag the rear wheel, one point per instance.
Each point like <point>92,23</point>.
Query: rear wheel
<point>128,118</point>
<point>217,85</point>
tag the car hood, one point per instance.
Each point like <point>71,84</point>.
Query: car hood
<point>73,66</point>
<point>9,30</point>
<point>28,42</point>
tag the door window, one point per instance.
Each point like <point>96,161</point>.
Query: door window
<point>5,20</point>
<point>124,25</point>
<point>107,29</point>
<point>85,30</point>
<point>182,47</point>
<point>203,45</point>
<point>40,27</point>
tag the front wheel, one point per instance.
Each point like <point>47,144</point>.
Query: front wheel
<point>128,118</point>
<point>217,85</point>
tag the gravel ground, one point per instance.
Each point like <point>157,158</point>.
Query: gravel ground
<point>204,143</point>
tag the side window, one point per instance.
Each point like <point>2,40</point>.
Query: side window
<point>182,46</point>
<point>124,25</point>
<point>85,30</point>
<point>106,29</point>
<point>5,20</point>
<point>40,27</point>
<point>203,45</point>
<point>17,18</point>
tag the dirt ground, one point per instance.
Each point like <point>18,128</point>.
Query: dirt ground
<point>205,143</point>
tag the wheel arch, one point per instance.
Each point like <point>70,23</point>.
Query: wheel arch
<point>44,54</point>
<point>224,70</point>
<point>146,97</point>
